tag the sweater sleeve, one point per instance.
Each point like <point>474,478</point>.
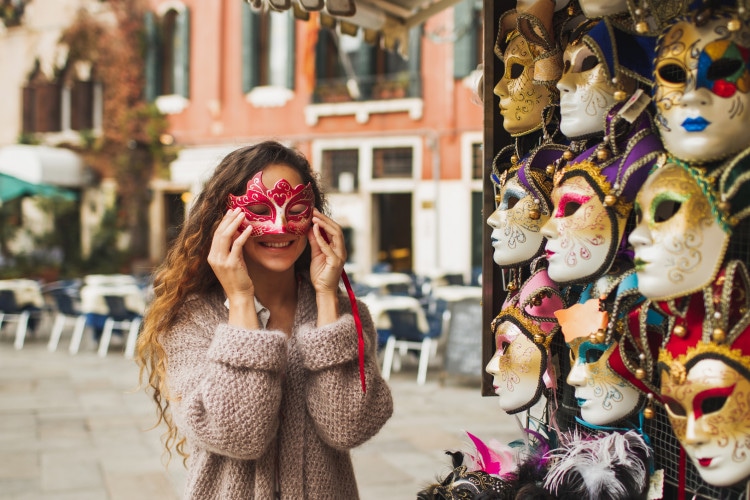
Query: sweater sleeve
<point>344,416</point>
<point>224,382</point>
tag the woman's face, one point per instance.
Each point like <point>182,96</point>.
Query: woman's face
<point>702,90</point>
<point>586,92</point>
<point>516,368</point>
<point>280,217</point>
<point>602,395</point>
<point>521,101</point>
<point>579,233</point>
<point>516,236</point>
<point>678,244</point>
<point>710,417</point>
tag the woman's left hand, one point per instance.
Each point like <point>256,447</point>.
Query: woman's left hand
<point>328,257</point>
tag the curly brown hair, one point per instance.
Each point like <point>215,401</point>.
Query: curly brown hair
<point>186,271</point>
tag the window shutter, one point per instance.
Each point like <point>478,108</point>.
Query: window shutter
<point>82,106</point>
<point>290,40</point>
<point>153,61</point>
<point>48,107</point>
<point>464,60</point>
<point>181,45</point>
<point>29,112</point>
<point>249,48</point>
<point>415,61</point>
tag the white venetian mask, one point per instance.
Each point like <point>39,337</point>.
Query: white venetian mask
<point>600,8</point>
<point>702,90</point>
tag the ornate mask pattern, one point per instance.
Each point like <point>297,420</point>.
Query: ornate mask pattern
<point>679,245</point>
<point>279,210</point>
<point>702,89</point>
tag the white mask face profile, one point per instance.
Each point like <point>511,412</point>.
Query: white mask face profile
<point>603,397</point>
<point>678,243</point>
<point>586,92</point>
<point>516,236</point>
<point>702,90</point>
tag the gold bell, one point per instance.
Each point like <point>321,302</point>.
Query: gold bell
<point>534,214</point>
<point>734,25</point>
<point>568,155</point>
<point>640,374</point>
<point>641,27</point>
<point>538,338</point>
<point>550,169</point>
<point>679,331</point>
<point>648,412</point>
<point>725,206</point>
<point>610,200</point>
<point>718,335</point>
<point>620,95</point>
<point>512,286</point>
<point>513,159</point>
<point>602,154</point>
<point>571,10</point>
<point>600,336</point>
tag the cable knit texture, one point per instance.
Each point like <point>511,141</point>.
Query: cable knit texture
<point>257,406</point>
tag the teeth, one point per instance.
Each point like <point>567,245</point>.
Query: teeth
<point>277,244</point>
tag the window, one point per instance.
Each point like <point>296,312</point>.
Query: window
<point>468,30</point>
<point>340,170</point>
<point>477,161</point>
<point>168,56</point>
<point>348,68</point>
<point>389,163</point>
<point>42,107</point>
<point>267,49</point>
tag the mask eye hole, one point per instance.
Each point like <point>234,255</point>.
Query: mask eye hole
<point>298,209</point>
<point>566,67</point>
<point>714,404</point>
<point>259,209</point>
<point>675,408</point>
<point>593,355</point>
<point>637,214</point>
<point>672,73</point>
<point>723,68</point>
<point>512,202</point>
<point>516,70</point>
<point>589,63</point>
<point>504,346</point>
<point>571,207</point>
<point>665,210</point>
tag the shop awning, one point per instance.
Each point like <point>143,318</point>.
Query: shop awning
<point>389,20</point>
<point>42,165</point>
<point>13,187</point>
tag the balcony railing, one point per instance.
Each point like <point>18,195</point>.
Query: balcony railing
<point>367,88</point>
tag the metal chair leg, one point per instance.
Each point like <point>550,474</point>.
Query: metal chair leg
<point>21,328</point>
<point>390,347</point>
<point>109,325</point>
<point>57,329</point>
<point>135,326</point>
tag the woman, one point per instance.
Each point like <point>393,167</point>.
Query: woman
<point>250,348</point>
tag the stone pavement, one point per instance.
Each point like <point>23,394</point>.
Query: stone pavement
<point>75,428</point>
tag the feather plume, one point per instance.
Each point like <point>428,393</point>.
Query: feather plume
<point>607,466</point>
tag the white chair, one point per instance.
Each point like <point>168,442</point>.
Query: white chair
<point>405,335</point>
<point>119,318</point>
<point>11,312</point>
<point>66,313</point>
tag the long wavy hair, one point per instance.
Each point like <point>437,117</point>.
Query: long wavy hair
<point>185,271</point>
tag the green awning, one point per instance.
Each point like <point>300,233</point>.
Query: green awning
<point>12,187</point>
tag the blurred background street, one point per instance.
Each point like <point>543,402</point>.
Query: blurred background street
<point>73,427</point>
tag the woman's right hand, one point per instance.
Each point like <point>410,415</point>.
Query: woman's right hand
<point>227,260</point>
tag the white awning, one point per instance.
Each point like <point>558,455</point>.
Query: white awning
<point>42,165</point>
<point>195,164</point>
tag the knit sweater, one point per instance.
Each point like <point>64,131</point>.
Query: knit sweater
<point>259,408</point>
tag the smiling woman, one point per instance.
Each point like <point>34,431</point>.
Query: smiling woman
<point>248,338</point>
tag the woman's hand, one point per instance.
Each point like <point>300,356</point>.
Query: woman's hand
<point>227,260</point>
<point>328,253</point>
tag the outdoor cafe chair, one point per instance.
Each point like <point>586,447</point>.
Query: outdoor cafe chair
<point>10,311</point>
<point>405,335</point>
<point>120,318</point>
<point>66,312</point>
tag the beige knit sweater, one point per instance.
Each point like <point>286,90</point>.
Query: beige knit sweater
<point>259,408</point>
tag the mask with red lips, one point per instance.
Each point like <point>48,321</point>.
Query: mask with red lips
<point>282,209</point>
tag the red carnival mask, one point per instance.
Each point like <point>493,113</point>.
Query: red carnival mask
<point>280,210</point>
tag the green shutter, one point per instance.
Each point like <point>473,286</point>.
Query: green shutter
<point>152,56</point>
<point>249,63</point>
<point>290,40</point>
<point>464,60</point>
<point>415,61</point>
<point>181,70</point>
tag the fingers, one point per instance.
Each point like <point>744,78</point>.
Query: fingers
<point>328,235</point>
<point>226,231</point>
